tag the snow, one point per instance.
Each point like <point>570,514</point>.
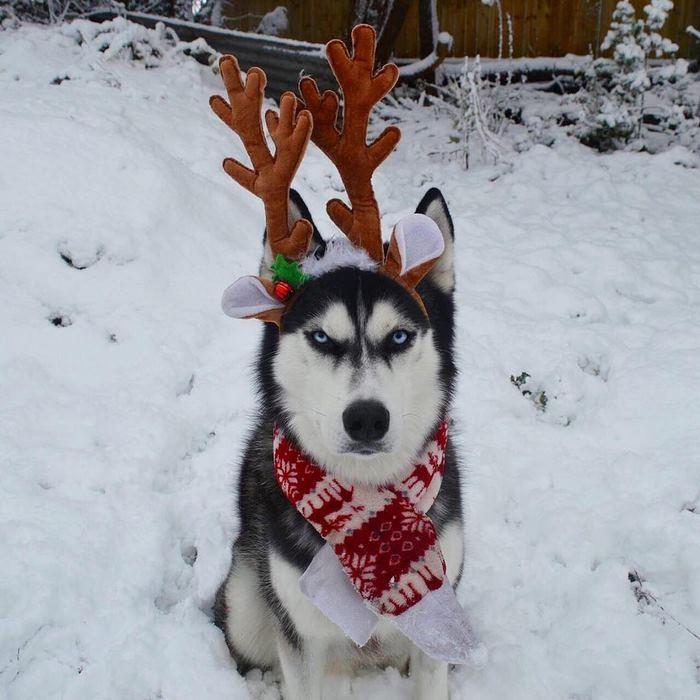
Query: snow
<point>558,64</point>
<point>306,46</point>
<point>126,393</point>
<point>446,39</point>
<point>411,70</point>
<point>657,12</point>
<point>274,23</point>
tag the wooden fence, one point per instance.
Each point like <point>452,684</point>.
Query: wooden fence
<point>540,27</point>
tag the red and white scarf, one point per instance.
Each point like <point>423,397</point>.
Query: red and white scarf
<point>381,535</point>
<point>382,555</point>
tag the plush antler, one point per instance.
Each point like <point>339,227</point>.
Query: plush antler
<point>416,242</point>
<point>355,160</point>
<point>271,175</point>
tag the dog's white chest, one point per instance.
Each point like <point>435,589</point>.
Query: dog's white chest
<point>311,623</point>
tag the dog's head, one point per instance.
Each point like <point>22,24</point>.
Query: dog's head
<point>359,374</point>
<point>358,365</point>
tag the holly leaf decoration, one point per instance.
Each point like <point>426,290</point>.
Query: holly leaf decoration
<point>288,271</point>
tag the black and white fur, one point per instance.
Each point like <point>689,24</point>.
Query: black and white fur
<point>306,386</point>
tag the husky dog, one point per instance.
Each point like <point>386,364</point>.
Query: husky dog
<point>360,379</point>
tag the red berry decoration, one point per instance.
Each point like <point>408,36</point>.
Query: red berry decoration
<point>282,290</point>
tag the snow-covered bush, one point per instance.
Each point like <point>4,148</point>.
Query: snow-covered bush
<point>503,31</point>
<point>479,108</point>
<point>8,17</point>
<point>48,11</point>
<point>479,104</point>
<point>57,11</point>
<point>120,39</point>
<point>274,23</point>
<point>615,89</point>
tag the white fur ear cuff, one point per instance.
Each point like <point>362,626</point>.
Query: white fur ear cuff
<point>247,297</point>
<point>339,253</point>
<point>419,240</point>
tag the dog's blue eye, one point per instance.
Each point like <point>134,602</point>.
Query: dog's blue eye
<point>399,337</point>
<point>323,343</point>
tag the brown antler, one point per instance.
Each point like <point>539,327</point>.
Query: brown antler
<point>271,175</point>
<point>355,160</point>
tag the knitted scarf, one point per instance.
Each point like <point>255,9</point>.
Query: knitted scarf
<point>385,542</point>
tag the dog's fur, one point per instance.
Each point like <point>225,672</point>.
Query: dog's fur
<point>305,388</point>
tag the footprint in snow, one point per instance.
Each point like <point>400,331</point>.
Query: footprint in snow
<point>79,259</point>
<point>61,320</point>
<point>594,368</point>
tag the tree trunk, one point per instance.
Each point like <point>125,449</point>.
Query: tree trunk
<point>387,18</point>
<point>427,26</point>
<point>427,32</point>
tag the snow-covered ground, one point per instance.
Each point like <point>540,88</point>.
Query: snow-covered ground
<point>125,393</point>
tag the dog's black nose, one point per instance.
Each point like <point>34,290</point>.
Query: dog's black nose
<point>366,421</point>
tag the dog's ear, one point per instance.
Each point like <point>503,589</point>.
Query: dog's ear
<point>433,205</point>
<point>415,246</point>
<point>252,297</point>
<point>297,210</point>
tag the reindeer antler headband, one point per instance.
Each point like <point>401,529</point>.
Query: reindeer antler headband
<point>416,241</point>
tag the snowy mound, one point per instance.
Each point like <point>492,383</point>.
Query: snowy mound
<point>126,393</point>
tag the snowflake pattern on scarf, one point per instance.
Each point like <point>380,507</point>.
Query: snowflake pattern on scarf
<point>385,542</point>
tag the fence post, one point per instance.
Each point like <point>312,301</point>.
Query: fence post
<point>598,29</point>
